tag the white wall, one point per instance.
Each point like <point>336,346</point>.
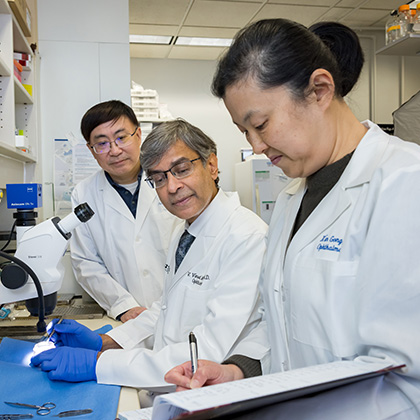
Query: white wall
<point>386,82</point>
<point>185,86</point>
<point>395,79</point>
<point>85,59</point>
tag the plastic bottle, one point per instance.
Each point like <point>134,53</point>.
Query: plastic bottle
<point>404,19</point>
<point>416,24</point>
<point>413,15</point>
<point>392,28</point>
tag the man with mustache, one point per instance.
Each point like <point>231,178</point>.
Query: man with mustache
<point>212,292</point>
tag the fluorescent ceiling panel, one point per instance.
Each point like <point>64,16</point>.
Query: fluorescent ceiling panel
<point>150,39</point>
<point>203,42</point>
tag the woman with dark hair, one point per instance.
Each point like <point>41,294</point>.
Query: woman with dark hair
<point>341,277</point>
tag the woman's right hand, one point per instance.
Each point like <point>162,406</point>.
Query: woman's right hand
<point>208,373</point>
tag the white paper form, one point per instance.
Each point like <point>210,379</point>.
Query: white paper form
<point>169,406</point>
<point>250,388</point>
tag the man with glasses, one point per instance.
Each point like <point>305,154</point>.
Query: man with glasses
<point>118,259</point>
<point>211,282</point>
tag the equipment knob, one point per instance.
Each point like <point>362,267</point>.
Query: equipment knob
<point>13,276</point>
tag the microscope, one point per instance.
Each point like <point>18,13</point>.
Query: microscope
<point>34,273</point>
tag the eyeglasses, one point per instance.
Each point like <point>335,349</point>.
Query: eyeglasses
<point>121,142</point>
<point>179,171</point>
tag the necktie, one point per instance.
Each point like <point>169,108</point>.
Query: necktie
<point>184,244</point>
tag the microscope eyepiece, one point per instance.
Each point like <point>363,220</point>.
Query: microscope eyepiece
<point>83,212</point>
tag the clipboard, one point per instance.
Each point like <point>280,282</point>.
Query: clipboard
<point>229,400</point>
<point>233,410</point>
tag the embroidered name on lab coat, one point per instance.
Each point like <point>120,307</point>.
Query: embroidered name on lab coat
<point>330,243</point>
<point>197,278</point>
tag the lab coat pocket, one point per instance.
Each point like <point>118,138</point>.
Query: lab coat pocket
<point>324,307</point>
<point>194,308</point>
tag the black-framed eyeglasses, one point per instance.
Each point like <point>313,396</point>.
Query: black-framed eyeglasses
<point>121,142</point>
<point>179,171</point>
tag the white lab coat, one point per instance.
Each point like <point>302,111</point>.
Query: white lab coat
<point>214,294</point>
<point>348,284</point>
<point>116,258</point>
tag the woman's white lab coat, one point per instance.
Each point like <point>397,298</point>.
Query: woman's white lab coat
<point>214,293</point>
<point>348,284</point>
<point>119,259</point>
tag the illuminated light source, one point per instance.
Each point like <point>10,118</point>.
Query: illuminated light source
<point>203,42</point>
<point>42,346</point>
<point>150,39</point>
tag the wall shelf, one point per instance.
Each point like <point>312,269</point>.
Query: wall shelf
<point>4,7</point>
<point>21,94</point>
<point>4,68</point>
<point>408,45</point>
<point>17,106</point>
<point>20,43</point>
<point>17,154</point>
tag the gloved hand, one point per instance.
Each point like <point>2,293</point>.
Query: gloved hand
<point>68,364</point>
<point>72,334</point>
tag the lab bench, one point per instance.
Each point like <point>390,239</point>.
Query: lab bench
<point>129,396</point>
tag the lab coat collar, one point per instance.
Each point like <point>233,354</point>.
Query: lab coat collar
<point>113,199</point>
<point>367,155</point>
<point>214,216</point>
<point>359,171</point>
<point>205,228</point>
<point>311,229</point>
<point>147,197</point>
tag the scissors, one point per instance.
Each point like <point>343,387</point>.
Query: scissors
<point>42,410</point>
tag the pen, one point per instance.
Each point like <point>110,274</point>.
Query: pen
<point>193,352</point>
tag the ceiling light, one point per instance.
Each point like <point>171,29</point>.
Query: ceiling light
<point>203,42</point>
<point>150,39</point>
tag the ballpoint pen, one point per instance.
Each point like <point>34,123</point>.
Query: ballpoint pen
<point>193,352</point>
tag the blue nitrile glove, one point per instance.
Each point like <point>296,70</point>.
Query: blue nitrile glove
<point>72,334</point>
<point>68,364</point>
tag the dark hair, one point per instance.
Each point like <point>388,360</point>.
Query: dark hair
<point>280,52</point>
<point>105,112</point>
<point>166,134</point>
<point>345,46</point>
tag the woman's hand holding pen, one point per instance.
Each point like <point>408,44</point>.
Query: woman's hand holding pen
<point>208,373</point>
